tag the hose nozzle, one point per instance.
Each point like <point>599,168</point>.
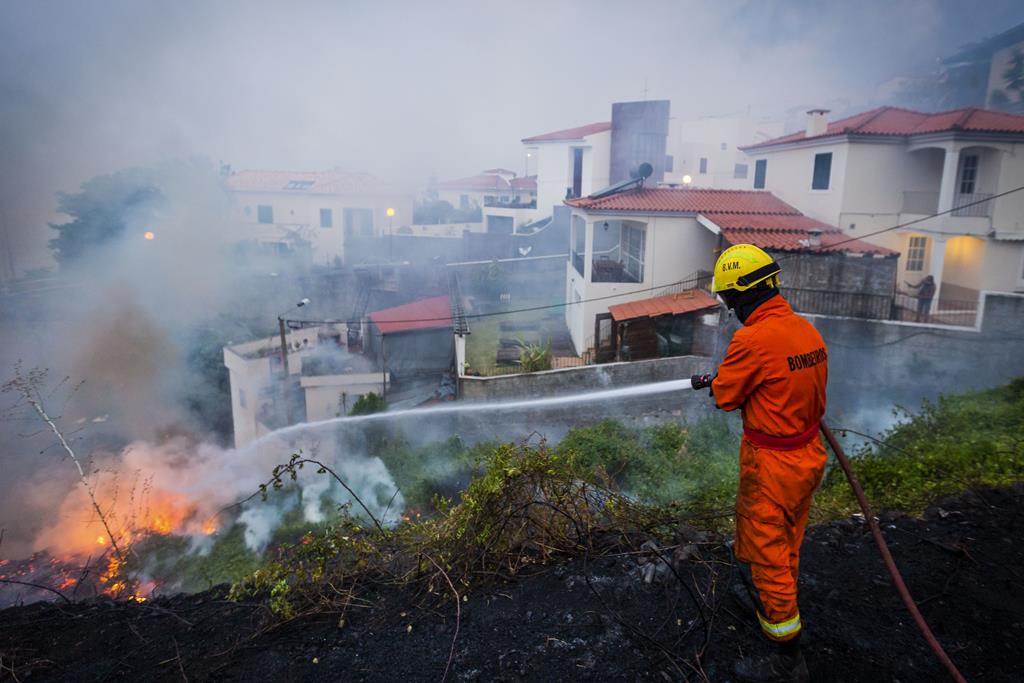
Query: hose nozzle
<point>698,382</point>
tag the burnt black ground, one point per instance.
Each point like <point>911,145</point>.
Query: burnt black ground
<point>964,562</point>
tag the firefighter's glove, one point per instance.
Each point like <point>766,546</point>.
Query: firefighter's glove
<point>698,382</point>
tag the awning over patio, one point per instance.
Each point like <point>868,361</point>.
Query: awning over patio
<point>687,301</point>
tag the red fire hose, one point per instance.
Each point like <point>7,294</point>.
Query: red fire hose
<point>887,557</point>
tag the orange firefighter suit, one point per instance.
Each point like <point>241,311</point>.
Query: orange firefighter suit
<point>775,371</point>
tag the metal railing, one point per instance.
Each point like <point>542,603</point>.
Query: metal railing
<point>557,363</point>
<point>979,207</point>
<point>498,204</point>
<point>845,304</point>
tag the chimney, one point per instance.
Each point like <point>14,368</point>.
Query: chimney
<point>814,238</point>
<point>817,122</point>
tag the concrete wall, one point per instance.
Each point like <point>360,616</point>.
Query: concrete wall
<point>683,405</point>
<point>789,173</point>
<point>874,365</point>
<point>554,168</point>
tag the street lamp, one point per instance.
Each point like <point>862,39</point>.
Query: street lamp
<point>687,180</point>
<point>526,166</point>
<point>391,237</point>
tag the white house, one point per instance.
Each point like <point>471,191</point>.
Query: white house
<point>888,167</point>
<point>284,209</point>
<point>324,380</point>
<point>489,187</point>
<point>708,149</point>
<point>642,243</point>
<point>569,163</point>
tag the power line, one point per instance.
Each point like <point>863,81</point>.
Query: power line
<point>531,309</point>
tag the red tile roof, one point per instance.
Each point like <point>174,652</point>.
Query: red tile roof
<point>502,171</point>
<point>484,181</point>
<point>331,181</point>
<point>905,122</point>
<point>527,183</point>
<point>425,314</point>
<point>572,133</point>
<point>687,301</point>
<point>667,200</point>
<point>790,233</point>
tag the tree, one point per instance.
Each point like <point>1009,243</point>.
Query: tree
<point>102,211</point>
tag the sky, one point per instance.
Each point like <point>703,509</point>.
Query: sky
<point>410,90</point>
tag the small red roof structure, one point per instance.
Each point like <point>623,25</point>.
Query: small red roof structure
<point>500,171</point>
<point>425,314</point>
<point>525,183</point>
<point>667,200</point>
<point>894,121</point>
<point>687,301</point>
<point>483,181</point>
<point>577,133</point>
<point>331,181</point>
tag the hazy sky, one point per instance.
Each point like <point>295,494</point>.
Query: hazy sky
<point>410,90</point>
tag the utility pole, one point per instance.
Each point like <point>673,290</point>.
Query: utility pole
<point>285,378</point>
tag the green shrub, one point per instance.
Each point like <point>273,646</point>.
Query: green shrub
<point>368,404</point>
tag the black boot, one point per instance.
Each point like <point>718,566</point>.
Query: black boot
<point>785,665</point>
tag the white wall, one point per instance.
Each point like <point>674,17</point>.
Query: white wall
<point>691,139</point>
<point>324,398</point>
<point>300,212</point>
<point>788,177</point>
<point>554,168</point>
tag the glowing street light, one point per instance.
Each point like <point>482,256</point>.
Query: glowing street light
<point>391,238</point>
<point>687,180</point>
<point>149,235</point>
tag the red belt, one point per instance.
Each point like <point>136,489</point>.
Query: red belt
<point>781,443</point>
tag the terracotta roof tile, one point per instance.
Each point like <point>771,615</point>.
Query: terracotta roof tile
<point>425,314</point>
<point>526,183</point>
<point>687,201</point>
<point>577,133</point>
<point>687,301</point>
<point>906,122</point>
<point>790,233</point>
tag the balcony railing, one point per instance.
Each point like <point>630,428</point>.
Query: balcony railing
<point>972,205</point>
<point>607,270</point>
<point>921,202</point>
<point>497,204</point>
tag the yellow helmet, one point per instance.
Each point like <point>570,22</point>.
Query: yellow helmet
<point>742,266</point>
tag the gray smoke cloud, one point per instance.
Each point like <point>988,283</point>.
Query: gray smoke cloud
<point>411,90</point>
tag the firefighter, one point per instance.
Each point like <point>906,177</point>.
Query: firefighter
<point>774,371</point>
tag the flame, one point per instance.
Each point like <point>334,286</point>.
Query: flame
<point>101,540</point>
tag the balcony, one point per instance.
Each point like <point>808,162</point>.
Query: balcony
<point>973,205</point>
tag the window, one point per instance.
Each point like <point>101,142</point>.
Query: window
<point>724,146</point>
<point>916,249</point>
<point>739,171</point>
<point>968,174</point>
<point>703,164</point>
<point>577,172</point>
<point>326,218</point>
<point>822,171</point>
<point>633,252</point>
<point>264,213</point>
<point>299,185</point>
<point>669,163</point>
<point>760,170</point>
<point>241,398</point>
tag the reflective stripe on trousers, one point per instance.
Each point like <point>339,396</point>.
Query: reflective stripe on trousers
<point>782,630</point>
